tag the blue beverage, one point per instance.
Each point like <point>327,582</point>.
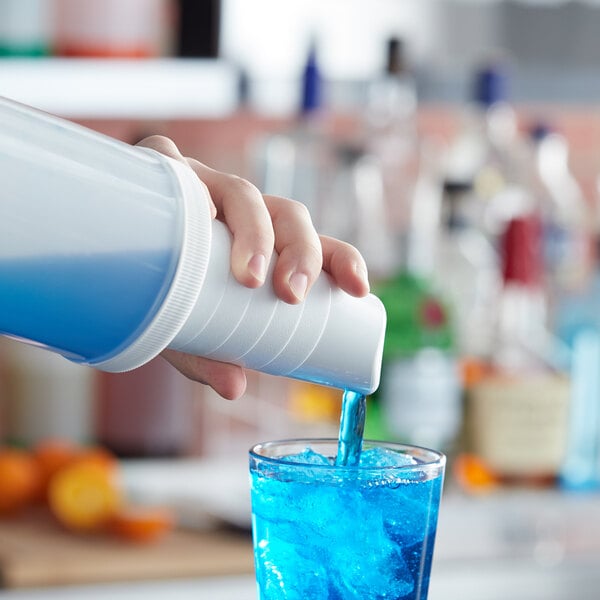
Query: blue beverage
<point>352,427</point>
<point>325,531</point>
<point>87,306</point>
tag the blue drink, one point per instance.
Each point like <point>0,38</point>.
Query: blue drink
<point>87,306</point>
<point>326,531</point>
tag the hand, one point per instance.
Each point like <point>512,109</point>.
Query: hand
<point>261,224</point>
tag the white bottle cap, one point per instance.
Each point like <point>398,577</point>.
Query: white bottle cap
<point>194,207</point>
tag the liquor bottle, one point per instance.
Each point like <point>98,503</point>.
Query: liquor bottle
<point>517,415</point>
<point>522,308</point>
<point>392,96</point>
<point>567,236</point>
<point>419,401</point>
<point>390,135</point>
<point>489,155</point>
<point>420,396</point>
<point>297,161</point>
<point>467,273</point>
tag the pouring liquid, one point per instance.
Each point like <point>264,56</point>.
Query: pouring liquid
<point>352,426</point>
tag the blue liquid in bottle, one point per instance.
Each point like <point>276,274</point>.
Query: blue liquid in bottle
<point>86,307</point>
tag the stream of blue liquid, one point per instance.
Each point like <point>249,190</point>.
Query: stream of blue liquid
<point>352,426</point>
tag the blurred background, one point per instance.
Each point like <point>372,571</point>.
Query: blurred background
<point>456,143</point>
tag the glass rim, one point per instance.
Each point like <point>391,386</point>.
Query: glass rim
<point>438,458</point>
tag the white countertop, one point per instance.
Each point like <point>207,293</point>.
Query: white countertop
<point>230,588</point>
<point>483,580</point>
<point>529,545</point>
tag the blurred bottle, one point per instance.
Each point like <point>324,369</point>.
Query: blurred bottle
<point>112,28</point>
<point>147,412</point>
<point>577,325</point>
<point>424,216</point>
<point>355,209</point>
<point>565,213</point>
<point>489,155</point>
<point>198,28</point>
<point>420,396</point>
<point>25,28</point>
<point>392,97</point>
<point>389,133</point>
<point>522,308</point>
<point>467,273</point>
<point>578,308</point>
<point>419,400</point>
<point>580,469</point>
<point>517,414</point>
<point>298,162</point>
<point>47,396</point>
<point>487,183</point>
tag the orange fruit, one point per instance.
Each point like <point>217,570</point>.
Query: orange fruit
<point>98,455</point>
<point>84,495</point>
<point>142,524</point>
<point>51,456</point>
<point>20,480</point>
<point>473,474</point>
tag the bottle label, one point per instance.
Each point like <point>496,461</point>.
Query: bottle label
<point>518,426</point>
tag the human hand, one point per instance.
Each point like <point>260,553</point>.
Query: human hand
<point>260,224</point>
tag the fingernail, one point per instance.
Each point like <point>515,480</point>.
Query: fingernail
<point>361,271</point>
<point>257,266</point>
<point>298,285</point>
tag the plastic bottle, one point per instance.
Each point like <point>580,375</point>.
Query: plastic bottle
<point>109,255</point>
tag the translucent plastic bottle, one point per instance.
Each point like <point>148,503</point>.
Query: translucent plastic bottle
<point>108,255</point>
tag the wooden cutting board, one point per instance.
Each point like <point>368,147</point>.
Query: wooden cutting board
<point>36,551</point>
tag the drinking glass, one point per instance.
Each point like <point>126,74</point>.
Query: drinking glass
<point>323,531</point>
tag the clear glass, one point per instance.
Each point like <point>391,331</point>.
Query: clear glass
<point>328,532</point>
